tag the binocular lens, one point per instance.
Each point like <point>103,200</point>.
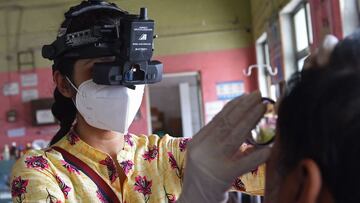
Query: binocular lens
<point>135,73</point>
<point>264,132</point>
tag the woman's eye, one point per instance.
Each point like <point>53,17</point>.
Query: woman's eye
<point>107,59</point>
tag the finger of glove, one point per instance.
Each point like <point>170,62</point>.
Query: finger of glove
<point>240,133</point>
<point>241,108</point>
<point>226,123</point>
<point>244,164</point>
<point>208,130</point>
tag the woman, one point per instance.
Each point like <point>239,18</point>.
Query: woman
<point>92,158</point>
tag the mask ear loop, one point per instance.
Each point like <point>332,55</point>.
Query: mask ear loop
<point>72,85</point>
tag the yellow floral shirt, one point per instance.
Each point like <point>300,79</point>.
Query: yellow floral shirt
<point>153,167</point>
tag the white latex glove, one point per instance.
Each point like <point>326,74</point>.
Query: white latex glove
<point>322,55</point>
<point>213,157</point>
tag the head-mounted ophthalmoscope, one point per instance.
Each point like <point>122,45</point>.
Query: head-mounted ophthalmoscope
<point>129,40</point>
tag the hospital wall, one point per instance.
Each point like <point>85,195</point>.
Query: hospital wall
<point>262,11</point>
<point>323,13</point>
<point>275,19</point>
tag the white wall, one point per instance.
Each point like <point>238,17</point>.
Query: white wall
<point>195,107</point>
<point>349,15</point>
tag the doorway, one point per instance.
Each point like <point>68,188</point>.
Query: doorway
<point>176,105</point>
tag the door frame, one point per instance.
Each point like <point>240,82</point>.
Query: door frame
<point>197,74</point>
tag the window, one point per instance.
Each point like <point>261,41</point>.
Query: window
<point>349,16</point>
<point>302,29</point>
<point>263,58</point>
<point>265,52</point>
<point>271,89</point>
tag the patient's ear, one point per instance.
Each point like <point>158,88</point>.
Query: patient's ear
<point>303,184</point>
<point>63,85</point>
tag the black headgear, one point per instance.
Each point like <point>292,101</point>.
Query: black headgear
<point>130,40</point>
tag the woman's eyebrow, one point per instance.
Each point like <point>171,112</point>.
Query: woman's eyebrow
<point>101,59</point>
<point>88,61</point>
<point>107,58</point>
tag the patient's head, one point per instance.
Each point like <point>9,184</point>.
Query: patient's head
<point>346,53</point>
<point>314,156</point>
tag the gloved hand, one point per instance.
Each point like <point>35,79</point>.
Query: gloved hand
<point>321,56</point>
<point>213,156</point>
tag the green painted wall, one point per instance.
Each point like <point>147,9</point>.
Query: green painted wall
<point>183,26</point>
<point>262,11</point>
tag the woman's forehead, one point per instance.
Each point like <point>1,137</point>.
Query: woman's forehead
<point>91,61</point>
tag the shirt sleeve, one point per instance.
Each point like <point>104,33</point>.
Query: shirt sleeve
<point>252,183</point>
<point>174,150</point>
<point>32,180</point>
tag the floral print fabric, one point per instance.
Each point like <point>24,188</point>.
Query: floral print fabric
<point>143,186</point>
<point>18,188</point>
<point>108,162</point>
<point>37,162</point>
<point>153,167</point>
<point>44,175</point>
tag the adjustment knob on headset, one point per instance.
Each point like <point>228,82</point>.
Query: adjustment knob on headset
<point>48,51</point>
<point>143,13</point>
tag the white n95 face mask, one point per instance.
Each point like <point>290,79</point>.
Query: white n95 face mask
<point>108,107</point>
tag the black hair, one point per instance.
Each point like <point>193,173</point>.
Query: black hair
<point>346,52</point>
<point>319,119</point>
<point>63,108</point>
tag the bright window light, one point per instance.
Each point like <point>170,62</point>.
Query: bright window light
<point>301,34</point>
